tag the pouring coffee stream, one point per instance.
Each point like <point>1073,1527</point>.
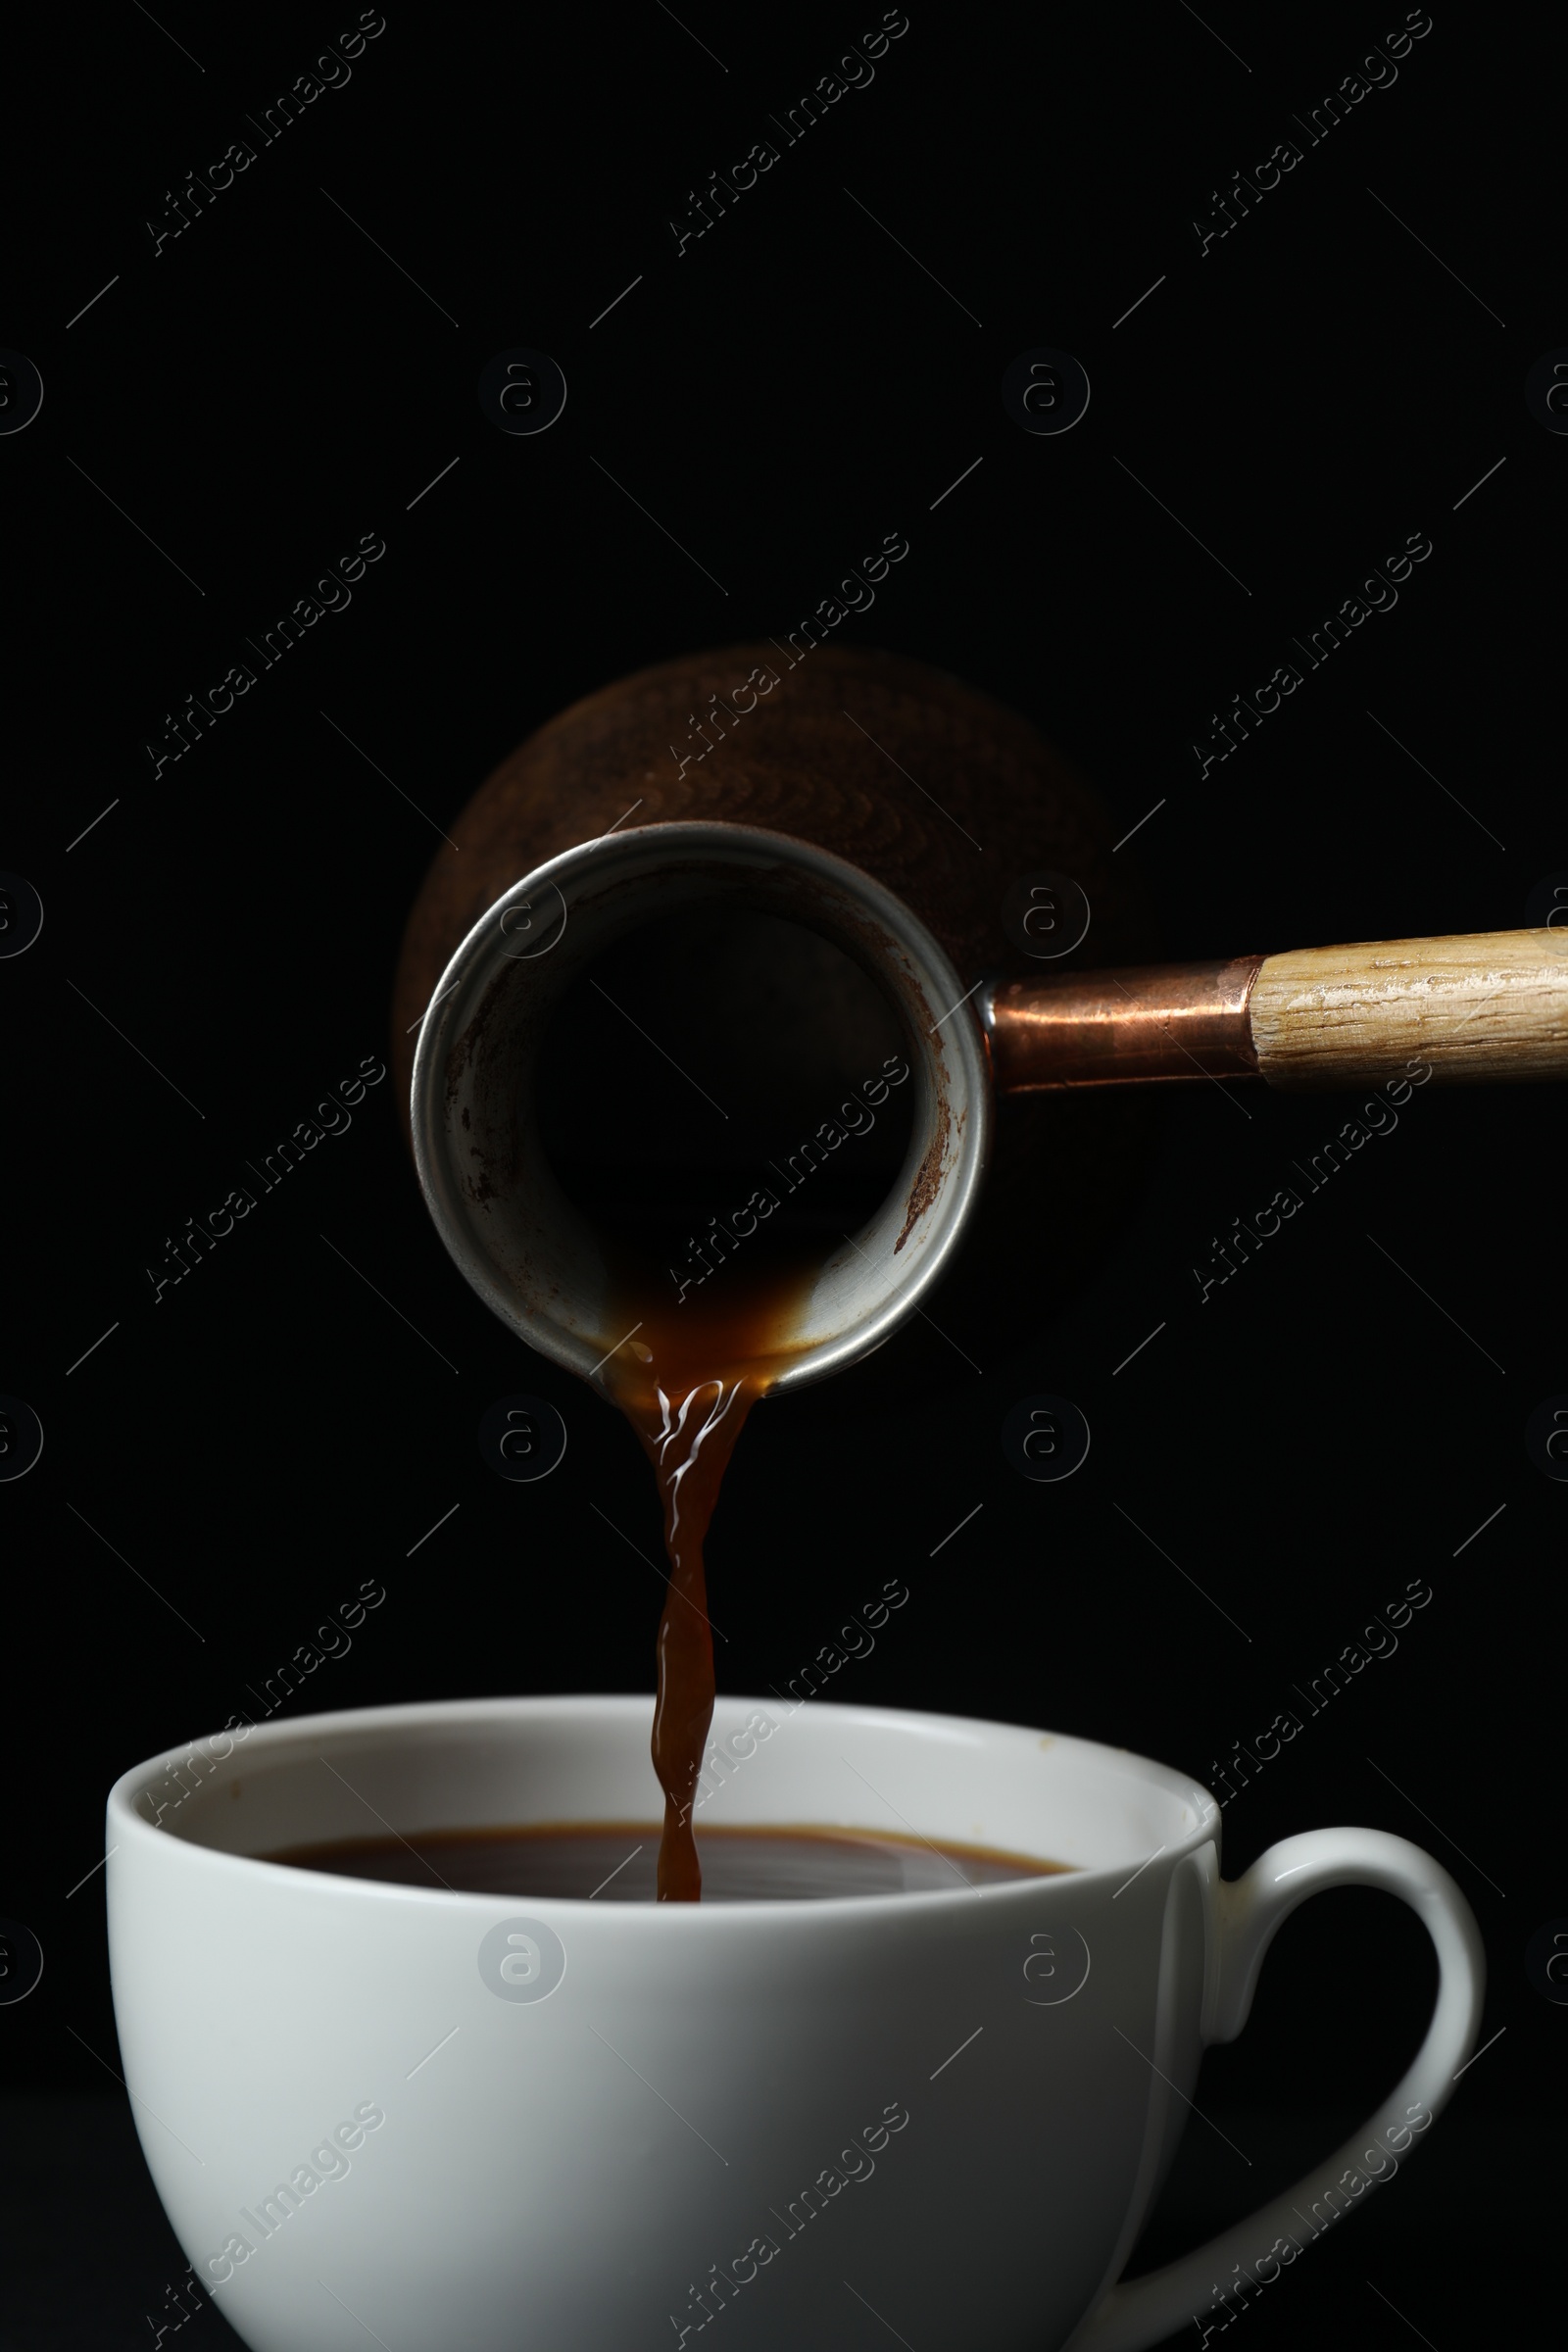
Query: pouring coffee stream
<point>551,886</point>
<point>687,1391</point>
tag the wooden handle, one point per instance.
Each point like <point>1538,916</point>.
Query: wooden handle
<point>1492,1006</point>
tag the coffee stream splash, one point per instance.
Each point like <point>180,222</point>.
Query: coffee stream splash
<point>686,1380</point>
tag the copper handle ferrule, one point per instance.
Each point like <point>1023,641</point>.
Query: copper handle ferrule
<point>1174,1021</point>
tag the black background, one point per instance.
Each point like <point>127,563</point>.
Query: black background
<point>1329,1426</point>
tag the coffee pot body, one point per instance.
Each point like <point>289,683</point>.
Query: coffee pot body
<point>944,800</point>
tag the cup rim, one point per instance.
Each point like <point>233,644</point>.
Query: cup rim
<point>124,1822</point>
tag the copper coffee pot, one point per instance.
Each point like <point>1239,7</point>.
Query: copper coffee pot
<point>885,807</point>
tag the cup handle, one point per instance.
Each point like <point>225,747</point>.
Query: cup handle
<point>1247,1913</point>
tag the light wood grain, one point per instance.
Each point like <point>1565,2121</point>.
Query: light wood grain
<point>1490,1006</point>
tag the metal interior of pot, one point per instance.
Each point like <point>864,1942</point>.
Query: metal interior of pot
<point>505,1122</point>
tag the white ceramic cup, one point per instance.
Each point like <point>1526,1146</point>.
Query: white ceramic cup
<point>405,2115</point>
